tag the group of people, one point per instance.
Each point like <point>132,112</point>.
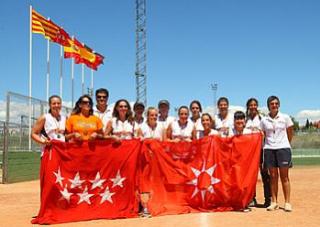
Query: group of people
<point>90,122</point>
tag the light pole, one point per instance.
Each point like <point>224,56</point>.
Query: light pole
<point>214,88</point>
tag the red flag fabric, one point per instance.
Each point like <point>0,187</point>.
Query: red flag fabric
<point>50,30</point>
<point>88,181</point>
<point>211,174</point>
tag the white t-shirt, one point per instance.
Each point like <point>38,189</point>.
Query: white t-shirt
<point>167,122</point>
<point>104,116</point>
<point>123,129</point>
<point>149,133</point>
<point>197,124</point>
<point>254,124</point>
<point>200,133</point>
<point>224,123</point>
<point>276,131</point>
<point>138,125</point>
<point>234,132</point>
<point>182,132</point>
<point>52,124</point>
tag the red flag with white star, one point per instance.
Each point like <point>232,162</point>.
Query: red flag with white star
<point>211,174</point>
<point>88,181</point>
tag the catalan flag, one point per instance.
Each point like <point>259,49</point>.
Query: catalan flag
<point>50,30</point>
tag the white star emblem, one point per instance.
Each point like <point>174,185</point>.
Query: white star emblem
<point>97,182</point>
<point>195,181</point>
<point>85,196</point>
<point>65,194</point>
<point>59,178</point>
<point>117,181</point>
<point>76,182</point>
<point>106,196</point>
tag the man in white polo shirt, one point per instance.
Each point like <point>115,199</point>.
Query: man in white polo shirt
<point>101,109</point>
<point>278,129</point>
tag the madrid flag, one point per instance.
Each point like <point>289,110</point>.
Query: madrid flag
<point>88,181</point>
<point>211,174</point>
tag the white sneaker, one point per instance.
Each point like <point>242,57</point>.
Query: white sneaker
<point>287,207</point>
<point>273,206</point>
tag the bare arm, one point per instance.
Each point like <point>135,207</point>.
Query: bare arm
<point>194,133</point>
<point>139,133</point>
<point>108,131</point>
<point>290,133</point>
<point>167,133</point>
<point>36,131</point>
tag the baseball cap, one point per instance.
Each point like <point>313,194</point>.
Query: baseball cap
<point>163,102</point>
<point>136,104</point>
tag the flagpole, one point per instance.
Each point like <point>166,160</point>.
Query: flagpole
<point>72,79</point>
<point>30,75</point>
<point>92,81</point>
<point>72,82</point>
<point>61,65</point>
<point>82,78</point>
<point>48,68</point>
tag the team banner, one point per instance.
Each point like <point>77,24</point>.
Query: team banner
<point>102,179</point>
<point>211,174</point>
<point>88,181</point>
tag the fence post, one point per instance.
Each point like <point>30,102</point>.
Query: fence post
<point>5,154</point>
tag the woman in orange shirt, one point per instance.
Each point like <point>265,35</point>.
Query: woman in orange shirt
<point>82,125</point>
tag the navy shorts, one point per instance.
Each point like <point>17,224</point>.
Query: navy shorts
<point>277,157</point>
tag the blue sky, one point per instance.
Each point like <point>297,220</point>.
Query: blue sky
<point>249,47</point>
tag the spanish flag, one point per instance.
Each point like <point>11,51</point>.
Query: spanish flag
<point>50,30</point>
<point>82,54</point>
<point>73,50</point>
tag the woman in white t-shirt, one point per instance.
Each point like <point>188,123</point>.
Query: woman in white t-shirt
<point>182,129</point>
<point>239,127</point>
<point>151,129</point>
<point>207,125</point>
<point>278,130</point>
<point>50,126</point>
<point>253,122</point>
<point>223,120</point>
<point>196,110</point>
<point>121,126</point>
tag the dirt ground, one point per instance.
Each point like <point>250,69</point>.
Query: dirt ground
<point>19,202</point>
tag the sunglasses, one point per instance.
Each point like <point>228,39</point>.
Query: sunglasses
<point>123,106</point>
<point>101,96</point>
<point>86,102</point>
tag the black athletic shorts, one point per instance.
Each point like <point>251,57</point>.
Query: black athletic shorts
<point>277,157</point>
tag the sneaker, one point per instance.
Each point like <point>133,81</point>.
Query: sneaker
<point>145,213</point>
<point>253,203</point>
<point>246,210</point>
<point>273,206</point>
<point>267,203</point>
<point>287,207</point>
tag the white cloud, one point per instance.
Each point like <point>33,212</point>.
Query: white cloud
<point>303,115</point>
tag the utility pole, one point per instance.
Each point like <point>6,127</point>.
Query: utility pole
<point>214,88</point>
<point>141,52</point>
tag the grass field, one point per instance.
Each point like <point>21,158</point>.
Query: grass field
<point>24,166</point>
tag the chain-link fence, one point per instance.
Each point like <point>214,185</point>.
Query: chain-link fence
<point>19,155</point>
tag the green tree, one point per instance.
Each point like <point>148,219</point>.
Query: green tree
<point>295,124</point>
<point>307,126</point>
